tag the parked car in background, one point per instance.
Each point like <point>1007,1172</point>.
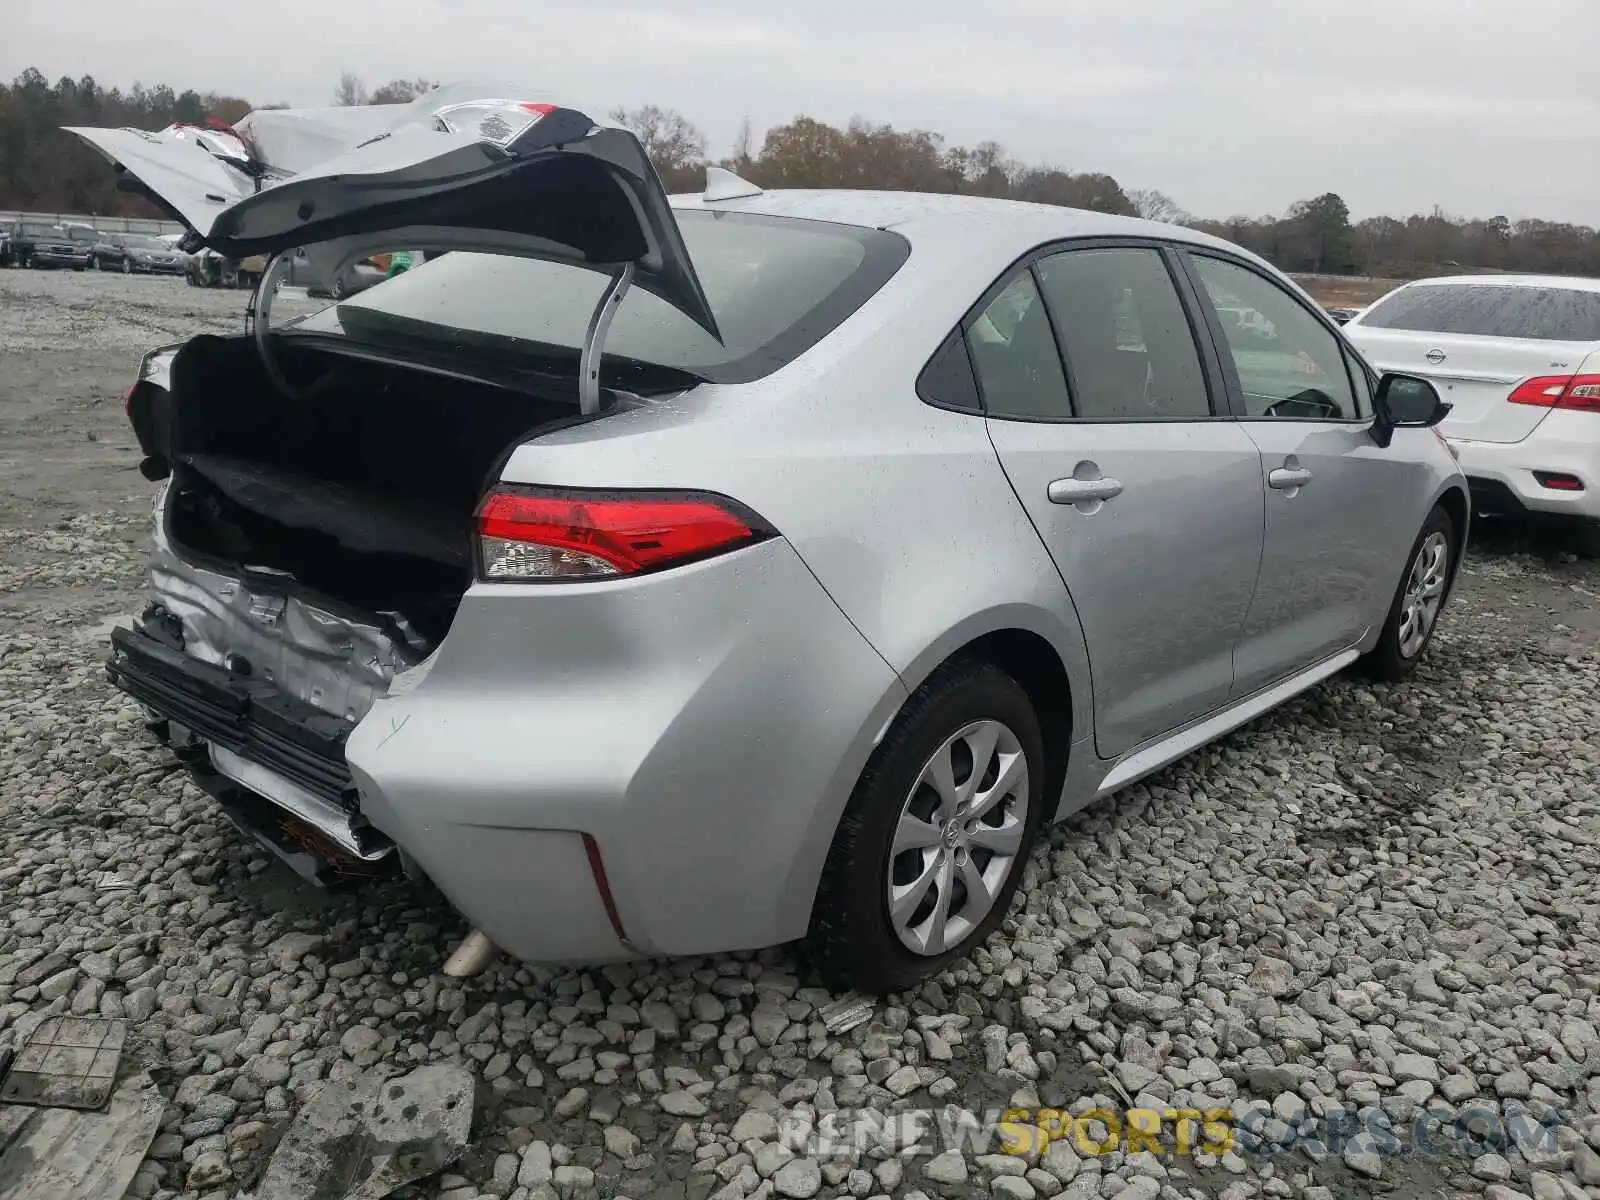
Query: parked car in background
<point>899,527</point>
<point>36,244</point>
<point>357,277</point>
<point>133,253</point>
<point>83,239</point>
<point>1518,359</point>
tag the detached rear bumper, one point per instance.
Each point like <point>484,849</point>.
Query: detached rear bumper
<point>274,763</point>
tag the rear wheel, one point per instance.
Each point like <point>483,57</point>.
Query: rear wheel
<point>1415,612</point>
<point>935,838</point>
<point>127,266</point>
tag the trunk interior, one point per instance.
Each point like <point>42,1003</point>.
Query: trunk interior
<point>362,488</point>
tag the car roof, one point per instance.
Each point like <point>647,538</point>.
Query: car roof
<point>961,223</point>
<point>1573,282</point>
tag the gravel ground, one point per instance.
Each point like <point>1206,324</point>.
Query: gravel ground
<point>1379,900</point>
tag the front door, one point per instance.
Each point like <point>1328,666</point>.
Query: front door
<point>1333,547</point>
<point>1148,500</point>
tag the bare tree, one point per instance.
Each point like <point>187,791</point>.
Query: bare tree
<point>1157,206</point>
<point>674,143</point>
<point>401,91</point>
<point>351,91</point>
<point>744,147</point>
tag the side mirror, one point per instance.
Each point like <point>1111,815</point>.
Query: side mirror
<point>1405,402</point>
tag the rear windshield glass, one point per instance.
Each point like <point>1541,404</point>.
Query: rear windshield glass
<point>776,285</point>
<point>1546,314</point>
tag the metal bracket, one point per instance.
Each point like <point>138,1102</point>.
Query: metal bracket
<point>594,341</point>
<point>258,322</point>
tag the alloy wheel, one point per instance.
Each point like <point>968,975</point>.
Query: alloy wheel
<point>1424,594</point>
<point>957,837</point>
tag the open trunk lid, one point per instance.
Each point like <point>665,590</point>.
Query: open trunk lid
<point>461,167</point>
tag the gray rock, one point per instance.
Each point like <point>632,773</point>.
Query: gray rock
<point>681,1104</point>
<point>800,1179</point>
<point>536,1167</point>
<point>947,1168</point>
<point>1491,1167</point>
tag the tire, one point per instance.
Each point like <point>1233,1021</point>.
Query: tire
<point>96,263</point>
<point>336,292</point>
<point>127,266</point>
<point>1586,540</point>
<point>1427,576</point>
<point>854,942</point>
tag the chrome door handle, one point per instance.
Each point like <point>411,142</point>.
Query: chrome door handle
<point>1286,478</point>
<point>1080,491</point>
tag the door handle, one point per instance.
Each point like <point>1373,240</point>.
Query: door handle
<point>1081,491</point>
<point>1288,478</point>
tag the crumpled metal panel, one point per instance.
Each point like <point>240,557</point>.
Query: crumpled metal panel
<point>51,1153</point>
<point>333,662</point>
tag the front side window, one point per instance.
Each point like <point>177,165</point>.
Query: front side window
<point>1290,364</point>
<point>1127,341</point>
<point>1015,358</point>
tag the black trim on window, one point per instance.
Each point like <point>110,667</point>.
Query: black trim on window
<point>1224,352</point>
<point>948,381</point>
<point>1214,367</point>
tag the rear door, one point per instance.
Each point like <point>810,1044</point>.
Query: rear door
<point>1477,342</point>
<point>1333,546</point>
<point>1147,495</point>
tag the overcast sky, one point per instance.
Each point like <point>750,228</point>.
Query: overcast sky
<point>1229,106</point>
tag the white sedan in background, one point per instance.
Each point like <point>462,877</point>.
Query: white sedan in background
<point>1518,358</point>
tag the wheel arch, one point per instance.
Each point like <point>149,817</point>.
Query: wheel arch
<point>1046,658</point>
<point>1457,504</point>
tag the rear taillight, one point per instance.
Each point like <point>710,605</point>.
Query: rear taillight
<point>1578,392</point>
<point>537,535</point>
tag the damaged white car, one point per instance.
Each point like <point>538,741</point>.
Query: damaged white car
<point>663,578</point>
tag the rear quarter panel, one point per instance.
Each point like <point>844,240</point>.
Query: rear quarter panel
<point>901,510</point>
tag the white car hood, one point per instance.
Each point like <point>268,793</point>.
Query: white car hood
<point>461,167</point>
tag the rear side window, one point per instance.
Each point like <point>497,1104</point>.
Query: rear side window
<point>1128,344</point>
<point>1015,357</point>
<point>1545,314</point>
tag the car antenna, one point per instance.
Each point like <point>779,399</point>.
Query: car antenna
<point>723,184</point>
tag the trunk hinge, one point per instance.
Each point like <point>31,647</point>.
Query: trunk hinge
<point>594,341</point>
<point>258,323</point>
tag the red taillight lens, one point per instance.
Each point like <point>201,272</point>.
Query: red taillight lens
<point>1579,392</point>
<point>550,535</point>
<point>1558,481</point>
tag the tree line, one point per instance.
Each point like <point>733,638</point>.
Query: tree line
<point>45,170</point>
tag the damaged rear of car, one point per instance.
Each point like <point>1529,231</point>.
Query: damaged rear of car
<point>315,520</point>
<point>333,540</point>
